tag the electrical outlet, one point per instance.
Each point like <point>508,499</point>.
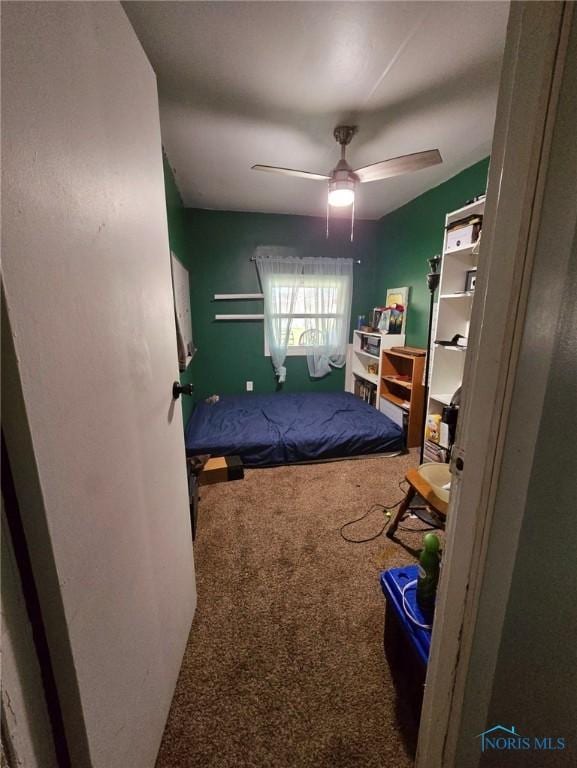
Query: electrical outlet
<point>249,386</point>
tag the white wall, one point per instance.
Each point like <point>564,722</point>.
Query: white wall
<point>95,441</point>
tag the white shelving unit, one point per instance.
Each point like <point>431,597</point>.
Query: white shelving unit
<point>452,316</point>
<point>360,360</point>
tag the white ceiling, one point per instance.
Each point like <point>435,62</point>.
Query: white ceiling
<point>266,82</point>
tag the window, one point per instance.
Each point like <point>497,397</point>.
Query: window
<point>307,307</point>
<point>319,315</point>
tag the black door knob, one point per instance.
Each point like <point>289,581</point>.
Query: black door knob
<point>179,389</point>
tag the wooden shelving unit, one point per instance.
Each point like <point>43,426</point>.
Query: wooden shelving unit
<point>401,387</point>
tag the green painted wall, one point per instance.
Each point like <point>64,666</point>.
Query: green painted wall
<point>216,246</point>
<point>409,236</point>
<point>179,245</point>
<point>221,244</point>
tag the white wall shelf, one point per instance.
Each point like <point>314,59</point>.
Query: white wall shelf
<point>237,296</point>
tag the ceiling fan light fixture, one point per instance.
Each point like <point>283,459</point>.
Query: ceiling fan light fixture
<point>343,179</point>
<point>341,193</point>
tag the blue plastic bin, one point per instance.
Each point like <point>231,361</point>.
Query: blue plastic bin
<point>406,645</point>
<point>392,584</point>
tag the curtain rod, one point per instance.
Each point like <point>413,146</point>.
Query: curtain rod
<point>355,261</point>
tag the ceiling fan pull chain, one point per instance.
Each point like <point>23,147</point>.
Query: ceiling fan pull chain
<point>352,219</point>
<point>328,209</point>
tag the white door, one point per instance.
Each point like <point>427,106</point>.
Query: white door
<point>94,438</point>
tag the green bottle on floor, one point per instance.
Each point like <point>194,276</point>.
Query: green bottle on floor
<point>429,563</point>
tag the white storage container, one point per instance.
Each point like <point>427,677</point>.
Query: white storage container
<point>394,412</point>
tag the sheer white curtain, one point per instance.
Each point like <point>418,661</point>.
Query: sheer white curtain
<point>310,293</point>
<point>280,274</point>
<point>327,293</point>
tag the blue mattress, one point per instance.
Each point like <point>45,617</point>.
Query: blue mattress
<point>284,428</point>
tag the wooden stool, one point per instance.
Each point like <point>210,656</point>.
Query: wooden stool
<point>417,485</point>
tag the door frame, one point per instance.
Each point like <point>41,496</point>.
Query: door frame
<point>49,742</point>
<point>534,60</point>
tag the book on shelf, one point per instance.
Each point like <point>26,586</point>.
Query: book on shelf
<point>366,391</point>
<point>434,452</point>
<point>371,345</point>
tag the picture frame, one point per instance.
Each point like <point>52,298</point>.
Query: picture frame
<point>384,321</point>
<point>397,320</point>
<point>470,280</point>
<point>183,322</point>
<point>376,317</point>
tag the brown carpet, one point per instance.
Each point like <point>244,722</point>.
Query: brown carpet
<point>285,665</point>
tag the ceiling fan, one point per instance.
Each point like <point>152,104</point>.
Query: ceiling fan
<point>343,179</point>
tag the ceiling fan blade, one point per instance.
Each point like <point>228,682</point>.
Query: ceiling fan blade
<point>290,172</point>
<point>397,165</point>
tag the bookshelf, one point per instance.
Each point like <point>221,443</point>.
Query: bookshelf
<point>401,388</point>
<point>452,316</point>
<point>365,362</point>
